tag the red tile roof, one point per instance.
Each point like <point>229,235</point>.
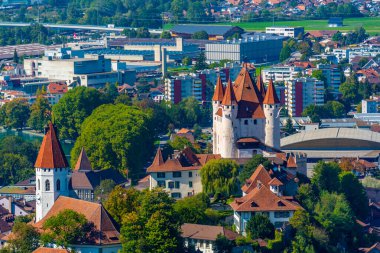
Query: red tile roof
<point>260,175</point>
<point>262,200</point>
<point>50,250</point>
<point>229,96</point>
<point>244,88</point>
<point>57,88</point>
<point>260,86</point>
<point>291,163</point>
<point>93,212</point>
<point>219,91</point>
<point>83,164</point>
<point>206,232</point>
<point>219,112</point>
<point>271,96</point>
<point>275,182</point>
<point>51,154</point>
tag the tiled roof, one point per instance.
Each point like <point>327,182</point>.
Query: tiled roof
<point>260,86</point>
<point>83,164</point>
<point>50,250</point>
<point>219,112</point>
<point>291,163</point>
<point>57,88</point>
<point>271,96</point>
<point>275,182</point>
<point>185,160</point>
<point>18,190</point>
<point>51,154</point>
<point>229,95</point>
<point>91,179</point>
<point>93,212</point>
<point>184,131</point>
<point>4,226</point>
<point>260,174</point>
<point>219,91</point>
<point>206,232</point>
<point>262,200</point>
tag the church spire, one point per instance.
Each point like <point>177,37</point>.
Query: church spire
<point>260,86</point>
<point>271,96</point>
<point>229,96</point>
<point>219,91</point>
<point>83,163</point>
<point>158,159</point>
<point>51,154</point>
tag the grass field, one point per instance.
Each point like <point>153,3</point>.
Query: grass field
<point>372,25</point>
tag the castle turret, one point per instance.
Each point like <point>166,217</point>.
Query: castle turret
<point>52,173</point>
<point>216,101</point>
<point>227,146</point>
<point>272,115</point>
<point>260,86</point>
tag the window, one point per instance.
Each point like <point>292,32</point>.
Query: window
<point>246,122</point>
<point>39,185</point>
<point>160,174</point>
<point>191,184</point>
<point>161,183</point>
<point>177,174</point>
<point>255,121</point>
<point>190,174</point>
<point>176,195</point>
<point>171,185</point>
<point>58,185</point>
<point>177,184</point>
<point>281,215</point>
<point>47,185</point>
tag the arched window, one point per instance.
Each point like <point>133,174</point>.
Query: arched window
<point>47,185</point>
<point>39,185</point>
<point>58,185</point>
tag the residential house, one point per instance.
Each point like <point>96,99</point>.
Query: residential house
<point>203,237</point>
<point>57,90</point>
<point>183,132</point>
<point>179,176</point>
<point>263,195</point>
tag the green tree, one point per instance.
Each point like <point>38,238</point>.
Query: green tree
<point>15,167</point>
<point>186,61</point>
<point>72,109</point>
<point>104,189</point>
<point>118,137</point>
<point>192,209</point>
<point>201,62</point>
<point>350,90</point>
<point>122,201</point>
<point>285,52</point>
<point>251,166</point>
<point>259,226</point>
<point>289,128</point>
<point>335,108</point>
<point>307,196</point>
<point>16,113</point>
<point>67,227</point>
<point>220,177</point>
<point>165,35</point>
<point>180,143</point>
<point>25,238</point>
<point>222,244</point>
<point>111,92</point>
<point>200,35</point>
<point>40,113</point>
<point>326,176</point>
<point>355,194</point>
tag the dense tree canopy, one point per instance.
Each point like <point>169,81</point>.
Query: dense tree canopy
<point>117,137</point>
<point>251,166</point>
<point>259,226</point>
<point>73,108</point>
<point>40,113</point>
<point>15,113</point>
<point>25,238</point>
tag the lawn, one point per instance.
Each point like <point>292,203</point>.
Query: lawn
<point>372,25</point>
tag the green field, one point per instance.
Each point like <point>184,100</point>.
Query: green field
<point>372,25</point>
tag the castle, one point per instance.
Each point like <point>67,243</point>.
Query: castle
<point>246,118</point>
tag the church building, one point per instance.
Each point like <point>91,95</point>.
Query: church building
<point>246,117</point>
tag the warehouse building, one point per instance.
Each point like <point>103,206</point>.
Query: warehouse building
<point>215,32</point>
<point>257,48</point>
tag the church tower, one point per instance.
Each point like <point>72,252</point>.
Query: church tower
<point>216,101</point>
<point>272,115</point>
<point>229,112</point>
<point>52,173</point>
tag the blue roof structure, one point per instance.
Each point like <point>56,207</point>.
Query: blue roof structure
<point>210,29</point>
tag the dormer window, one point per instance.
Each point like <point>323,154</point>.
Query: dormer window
<point>254,204</point>
<point>280,203</point>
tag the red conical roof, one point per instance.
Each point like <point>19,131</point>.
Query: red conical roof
<point>271,96</point>
<point>260,86</point>
<point>219,91</point>
<point>51,154</point>
<point>83,163</point>
<point>158,159</point>
<point>244,88</point>
<point>229,96</point>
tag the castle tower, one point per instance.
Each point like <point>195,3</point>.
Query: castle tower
<point>272,115</point>
<point>260,86</point>
<point>229,109</point>
<point>52,173</point>
<point>216,101</point>
<point>83,164</point>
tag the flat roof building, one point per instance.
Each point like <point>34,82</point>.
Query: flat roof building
<point>215,32</point>
<point>288,31</point>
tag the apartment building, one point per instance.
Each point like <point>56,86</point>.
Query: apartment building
<point>371,105</point>
<point>302,92</point>
<point>332,75</point>
<point>281,73</point>
<point>183,86</point>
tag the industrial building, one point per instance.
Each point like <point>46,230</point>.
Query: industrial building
<point>257,48</point>
<point>302,92</point>
<point>215,32</point>
<point>292,32</point>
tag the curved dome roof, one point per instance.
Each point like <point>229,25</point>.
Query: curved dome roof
<point>333,138</point>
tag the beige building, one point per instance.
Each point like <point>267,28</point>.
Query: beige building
<point>179,176</point>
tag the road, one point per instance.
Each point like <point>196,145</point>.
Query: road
<point>78,27</point>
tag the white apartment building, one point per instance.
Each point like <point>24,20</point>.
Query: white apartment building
<point>91,71</point>
<point>302,92</point>
<point>281,73</point>
<point>183,86</point>
<point>292,32</point>
<point>179,176</point>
